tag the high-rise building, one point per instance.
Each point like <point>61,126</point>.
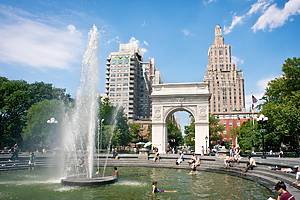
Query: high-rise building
<point>225,81</point>
<point>129,81</point>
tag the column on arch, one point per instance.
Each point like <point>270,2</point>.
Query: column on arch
<point>159,136</point>
<point>201,131</point>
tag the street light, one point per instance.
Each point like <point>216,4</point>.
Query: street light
<point>206,138</point>
<point>52,120</point>
<point>99,141</point>
<point>262,120</point>
<point>100,132</point>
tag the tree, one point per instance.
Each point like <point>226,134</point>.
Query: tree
<point>174,133</point>
<point>215,128</point>
<point>134,130</point>
<point>16,97</point>
<point>121,132</point>
<point>189,134</point>
<point>38,133</point>
<point>115,122</point>
<point>282,107</point>
<point>249,136</point>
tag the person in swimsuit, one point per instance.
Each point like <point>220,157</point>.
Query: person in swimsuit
<point>115,172</point>
<point>156,190</point>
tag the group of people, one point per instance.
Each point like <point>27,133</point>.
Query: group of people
<point>194,162</point>
<point>234,157</point>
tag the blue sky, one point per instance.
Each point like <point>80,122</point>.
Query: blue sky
<point>43,40</point>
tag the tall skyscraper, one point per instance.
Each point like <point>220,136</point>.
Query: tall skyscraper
<point>225,81</point>
<point>129,81</point>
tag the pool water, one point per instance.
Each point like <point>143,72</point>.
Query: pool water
<point>133,183</point>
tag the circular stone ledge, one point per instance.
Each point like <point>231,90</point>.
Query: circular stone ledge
<point>83,181</point>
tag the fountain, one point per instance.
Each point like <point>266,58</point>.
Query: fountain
<point>80,126</point>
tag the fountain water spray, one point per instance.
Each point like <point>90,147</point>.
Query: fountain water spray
<point>79,138</point>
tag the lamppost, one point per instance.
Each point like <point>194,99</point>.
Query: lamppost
<point>99,142</point>
<point>206,138</point>
<point>52,120</point>
<point>262,120</point>
<point>100,133</point>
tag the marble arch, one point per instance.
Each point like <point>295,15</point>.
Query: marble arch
<point>172,97</point>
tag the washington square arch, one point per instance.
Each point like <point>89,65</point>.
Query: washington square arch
<point>171,97</point>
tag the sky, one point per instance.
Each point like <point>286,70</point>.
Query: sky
<point>44,40</point>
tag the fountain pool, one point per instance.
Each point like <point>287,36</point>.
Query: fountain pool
<point>134,183</point>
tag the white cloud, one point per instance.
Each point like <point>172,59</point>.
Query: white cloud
<point>137,43</point>
<point>260,5</point>
<point>186,32</point>
<point>146,43</point>
<point>28,42</point>
<point>114,39</point>
<point>263,83</point>
<point>205,2</point>
<point>144,24</point>
<point>237,61</point>
<point>235,21</point>
<point>261,86</point>
<point>71,28</point>
<point>274,17</point>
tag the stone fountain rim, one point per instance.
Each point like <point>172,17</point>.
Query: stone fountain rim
<point>84,181</point>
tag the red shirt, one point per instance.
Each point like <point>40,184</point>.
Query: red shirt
<point>286,196</point>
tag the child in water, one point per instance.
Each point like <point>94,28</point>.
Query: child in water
<point>115,172</point>
<point>156,190</point>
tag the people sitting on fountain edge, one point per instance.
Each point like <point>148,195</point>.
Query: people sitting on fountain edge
<point>250,164</point>
<point>98,172</point>
<point>193,159</point>
<point>156,155</point>
<point>180,159</point>
<point>115,153</point>
<point>14,150</point>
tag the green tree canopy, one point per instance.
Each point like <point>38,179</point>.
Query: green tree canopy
<point>114,122</point>
<point>174,133</point>
<point>135,134</point>
<point>38,133</point>
<point>249,136</point>
<point>189,134</point>
<point>282,107</point>
<point>215,128</point>
<point>16,97</point>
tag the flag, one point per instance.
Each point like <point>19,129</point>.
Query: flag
<point>254,100</point>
